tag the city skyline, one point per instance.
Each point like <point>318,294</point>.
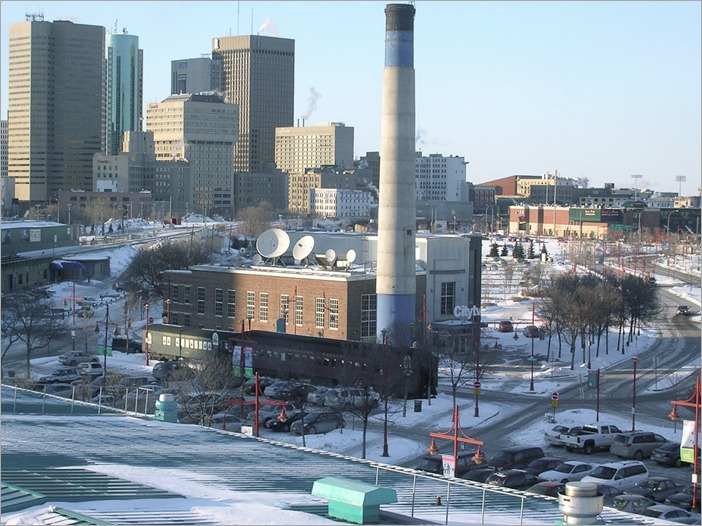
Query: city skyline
<point>602,90</point>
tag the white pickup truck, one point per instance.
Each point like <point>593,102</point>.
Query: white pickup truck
<point>591,437</point>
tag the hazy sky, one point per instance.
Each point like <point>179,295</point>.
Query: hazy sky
<point>601,90</point>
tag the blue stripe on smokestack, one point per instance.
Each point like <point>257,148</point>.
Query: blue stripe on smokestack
<point>399,36</point>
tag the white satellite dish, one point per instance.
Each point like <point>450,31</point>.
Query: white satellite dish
<point>272,243</point>
<point>351,256</point>
<point>331,256</point>
<point>256,259</point>
<point>303,247</point>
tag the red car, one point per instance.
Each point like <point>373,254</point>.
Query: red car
<point>505,326</point>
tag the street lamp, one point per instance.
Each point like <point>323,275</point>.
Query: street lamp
<point>634,360</point>
<point>384,333</point>
<point>635,177</point>
<point>453,436</point>
<point>680,179</point>
<point>531,383</point>
<point>146,336</point>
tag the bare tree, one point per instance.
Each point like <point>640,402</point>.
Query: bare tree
<point>255,219</point>
<point>145,272</point>
<point>29,320</point>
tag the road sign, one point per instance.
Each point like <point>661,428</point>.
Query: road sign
<point>476,388</point>
<point>476,385</point>
<point>554,396</point>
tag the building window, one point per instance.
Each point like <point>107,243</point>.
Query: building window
<point>174,294</point>
<point>263,307</point>
<point>186,294</point>
<point>201,300</point>
<point>319,313</point>
<point>285,307</point>
<point>250,304</point>
<point>368,321</point>
<point>186,320</point>
<point>448,297</point>
<point>231,303</point>
<point>334,314</point>
<point>299,309</point>
<point>219,302</point>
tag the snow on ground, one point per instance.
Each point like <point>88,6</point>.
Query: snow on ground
<point>219,506</point>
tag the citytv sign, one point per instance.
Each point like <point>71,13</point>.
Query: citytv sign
<point>464,311</point>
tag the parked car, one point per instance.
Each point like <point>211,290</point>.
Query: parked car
<point>267,412</point>
<point>505,326</point>
<point>515,457</point>
<point>683,499</point>
<point>347,397</point>
<point>673,514</point>
<point>317,396</point>
<point>668,454</point>
<point>543,464</point>
<point>92,369</point>
<point>263,382</point>
<point>65,375</point>
<point>655,488</point>
<point>637,444</point>
<point>479,474</point>
<point>171,370</point>
<point>608,492</point>
<point>318,423</point>
<point>553,435</point>
<point>434,464</point>
<point>532,331</point>
<point>512,478</point>
<point>276,424</point>
<point>104,399</point>
<point>631,503</point>
<point>683,310</point>
<point>126,345</point>
<point>59,389</point>
<point>569,471</point>
<point>226,421</point>
<point>135,381</point>
<point>548,488</point>
<point>74,358</point>
<point>622,475</point>
<point>284,390</point>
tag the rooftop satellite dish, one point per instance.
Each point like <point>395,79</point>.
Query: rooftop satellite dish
<point>256,259</point>
<point>272,243</point>
<point>351,256</point>
<point>303,247</point>
<point>331,256</point>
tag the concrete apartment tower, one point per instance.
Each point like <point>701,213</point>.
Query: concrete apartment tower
<point>396,282</point>
<point>125,74</point>
<point>257,74</point>
<point>201,129</point>
<point>56,98</point>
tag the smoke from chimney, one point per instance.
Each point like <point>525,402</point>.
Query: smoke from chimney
<point>268,26</point>
<point>312,105</point>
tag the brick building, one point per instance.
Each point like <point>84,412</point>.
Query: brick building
<point>337,304</point>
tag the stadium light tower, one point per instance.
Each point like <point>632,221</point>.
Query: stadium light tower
<point>680,179</point>
<point>636,189</point>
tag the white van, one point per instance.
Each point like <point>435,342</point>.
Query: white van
<point>621,475</point>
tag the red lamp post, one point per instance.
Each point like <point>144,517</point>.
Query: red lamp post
<point>694,402</point>
<point>634,360</point>
<point>531,382</point>
<point>453,435</point>
<point>385,393</point>
<point>146,335</point>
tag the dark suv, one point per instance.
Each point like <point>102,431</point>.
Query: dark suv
<point>168,370</point>
<point>515,457</point>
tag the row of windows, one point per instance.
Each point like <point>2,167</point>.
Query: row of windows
<point>322,311</point>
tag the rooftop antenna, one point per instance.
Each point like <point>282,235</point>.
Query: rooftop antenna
<point>34,17</point>
<point>114,27</point>
<point>237,18</point>
<point>252,20</point>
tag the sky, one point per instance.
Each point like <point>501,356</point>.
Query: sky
<point>596,90</point>
<point>217,504</point>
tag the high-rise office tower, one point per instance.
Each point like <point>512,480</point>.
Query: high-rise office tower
<point>125,73</point>
<point>195,75</point>
<point>202,129</point>
<point>258,74</point>
<point>3,148</point>
<point>56,106</point>
<point>301,148</point>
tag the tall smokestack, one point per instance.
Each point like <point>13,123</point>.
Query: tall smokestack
<point>396,279</point>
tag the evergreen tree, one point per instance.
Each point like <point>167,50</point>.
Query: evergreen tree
<point>544,251</point>
<point>504,251</point>
<point>518,251</point>
<point>493,250</point>
<point>530,252</point>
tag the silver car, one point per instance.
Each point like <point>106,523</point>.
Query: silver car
<point>318,423</point>
<point>77,357</point>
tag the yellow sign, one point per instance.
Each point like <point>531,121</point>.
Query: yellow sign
<point>554,403</point>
